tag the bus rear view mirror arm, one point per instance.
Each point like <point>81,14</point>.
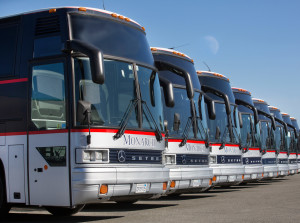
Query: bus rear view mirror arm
<point>95,56</point>
<point>251,107</point>
<point>167,87</point>
<point>177,70</point>
<point>210,107</point>
<point>208,89</point>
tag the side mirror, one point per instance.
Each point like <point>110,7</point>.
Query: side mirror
<point>176,122</point>
<point>167,87</point>
<point>218,133</point>
<point>211,108</point>
<point>255,114</point>
<point>83,112</point>
<point>240,119</point>
<point>95,56</point>
<point>227,104</point>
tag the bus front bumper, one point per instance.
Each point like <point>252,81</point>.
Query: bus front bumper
<point>121,181</point>
<point>228,174</point>
<point>253,172</point>
<point>184,178</point>
<point>270,171</point>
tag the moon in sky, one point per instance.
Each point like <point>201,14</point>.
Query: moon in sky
<point>213,44</point>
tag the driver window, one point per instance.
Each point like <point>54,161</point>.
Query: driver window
<point>48,102</point>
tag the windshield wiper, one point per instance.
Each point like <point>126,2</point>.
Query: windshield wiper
<point>185,134</point>
<point>206,135</point>
<point>223,139</point>
<point>132,105</point>
<point>157,131</point>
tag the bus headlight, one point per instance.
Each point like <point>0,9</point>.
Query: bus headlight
<point>212,159</point>
<point>92,156</point>
<point>169,159</point>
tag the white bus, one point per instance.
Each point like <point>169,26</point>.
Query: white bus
<point>187,148</point>
<point>224,130</point>
<point>81,118</point>
<point>250,135</point>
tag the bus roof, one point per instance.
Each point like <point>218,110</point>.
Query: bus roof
<point>171,52</point>
<point>256,100</point>
<point>241,90</point>
<point>82,9</point>
<point>213,74</point>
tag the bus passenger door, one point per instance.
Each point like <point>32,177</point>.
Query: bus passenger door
<point>48,136</point>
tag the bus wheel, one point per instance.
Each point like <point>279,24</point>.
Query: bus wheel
<point>4,207</point>
<point>64,211</point>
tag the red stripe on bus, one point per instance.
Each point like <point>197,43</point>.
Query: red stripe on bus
<point>271,151</point>
<point>12,133</point>
<point>293,153</point>
<point>116,130</point>
<point>14,81</point>
<point>219,144</point>
<point>48,131</point>
<point>253,149</point>
<point>188,141</point>
<point>283,152</point>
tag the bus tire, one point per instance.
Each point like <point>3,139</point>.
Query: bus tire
<point>64,211</point>
<point>4,207</point>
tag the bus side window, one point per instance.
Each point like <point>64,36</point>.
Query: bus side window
<point>48,103</point>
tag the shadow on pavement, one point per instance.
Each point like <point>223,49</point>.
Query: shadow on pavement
<point>183,197</point>
<point>113,207</point>
<point>45,218</point>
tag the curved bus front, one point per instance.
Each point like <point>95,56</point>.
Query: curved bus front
<point>186,153</point>
<point>225,154</point>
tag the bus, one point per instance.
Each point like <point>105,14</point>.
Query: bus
<point>250,135</point>
<point>295,124</point>
<point>187,148</point>
<point>280,135</point>
<point>291,143</point>
<point>224,130</point>
<point>81,118</point>
<point>267,127</point>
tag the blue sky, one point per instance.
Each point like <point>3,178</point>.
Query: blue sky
<point>254,43</point>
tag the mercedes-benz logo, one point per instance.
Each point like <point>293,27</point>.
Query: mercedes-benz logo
<point>183,159</point>
<point>222,159</point>
<point>121,156</point>
<point>247,160</point>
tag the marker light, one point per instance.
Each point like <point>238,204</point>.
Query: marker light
<point>46,167</point>
<point>143,28</point>
<point>82,9</point>
<point>262,174</point>
<point>210,182</point>
<point>243,177</point>
<point>214,179</point>
<point>165,184</point>
<point>172,184</point>
<point>103,189</point>
<point>114,15</point>
<point>52,10</point>
<point>121,17</point>
<point>127,19</point>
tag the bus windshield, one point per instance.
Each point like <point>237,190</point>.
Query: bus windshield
<point>110,101</point>
<point>266,135</point>
<point>182,107</point>
<point>220,122</point>
<point>279,139</point>
<point>248,127</point>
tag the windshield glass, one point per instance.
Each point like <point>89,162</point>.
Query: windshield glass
<point>181,107</point>
<point>248,127</point>
<point>150,90</point>
<point>267,135</point>
<point>110,101</point>
<point>221,121</point>
<point>200,110</point>
<point>291,141</point>
<point>279,139</point>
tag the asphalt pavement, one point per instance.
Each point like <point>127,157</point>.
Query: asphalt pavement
<point>271,201</point>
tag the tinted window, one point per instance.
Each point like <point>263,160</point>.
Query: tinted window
<point>111,37</point>
<point>47,46</point>
<point>8,46</point>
